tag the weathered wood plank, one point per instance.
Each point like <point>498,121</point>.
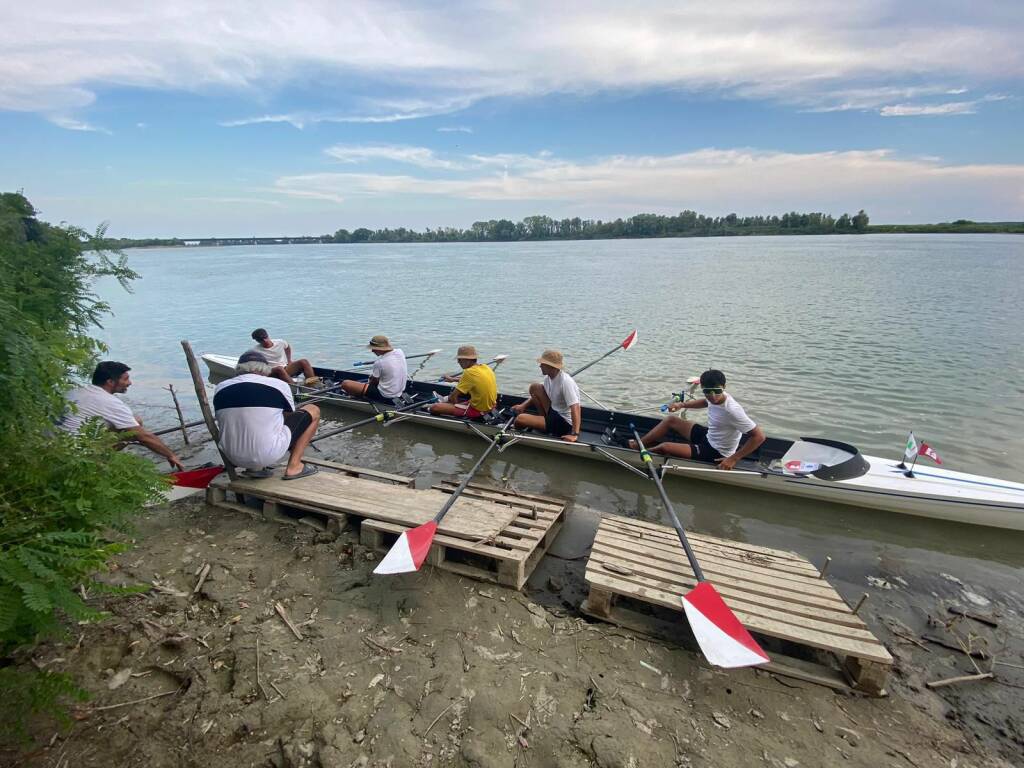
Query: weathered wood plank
<point>361,471</point>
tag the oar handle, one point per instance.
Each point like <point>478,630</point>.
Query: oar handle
<point>649,466</point>
<point>476,468</point>
<point>676,397</point>
<point>380,417</point>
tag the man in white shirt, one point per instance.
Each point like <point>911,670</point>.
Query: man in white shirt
<point>258,420</point>
<point>719,441</point>
<point>97,400</point>
<point>388,377</point>
<point>557,399</point>
<point>279,354</point>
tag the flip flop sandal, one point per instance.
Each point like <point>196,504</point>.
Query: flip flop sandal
<point>307,470</point>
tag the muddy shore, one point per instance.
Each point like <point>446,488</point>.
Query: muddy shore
<point>437,670</point>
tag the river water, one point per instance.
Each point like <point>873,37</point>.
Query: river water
<point>856,338</point>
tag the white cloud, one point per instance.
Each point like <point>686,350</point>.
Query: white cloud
<point>56,55</point>
<point>419,156</point>
<point>236,201</point>
<point>930,110</point>
<point>711,180</point>
<point>454,129</point>
<point>70,124</point>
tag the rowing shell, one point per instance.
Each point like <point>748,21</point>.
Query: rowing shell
<point>843,476</point>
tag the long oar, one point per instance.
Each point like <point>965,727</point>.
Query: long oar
<point>380,418</point>
<point>427,355</point>
<point>627,343</point>
<point>408,553</point>
<point>498,360</point>
<point>723,640</point>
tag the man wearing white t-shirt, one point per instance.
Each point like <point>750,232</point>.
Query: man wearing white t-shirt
<point>719,441</point>
<point>278,354</point>
<point>97,401</point>
<point>557,399</point>
<point>388,377</point>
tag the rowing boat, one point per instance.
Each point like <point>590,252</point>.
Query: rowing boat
<point>828,470</point>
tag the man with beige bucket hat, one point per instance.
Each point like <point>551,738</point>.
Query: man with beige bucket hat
<point>476,392</point>
<point>557,399</point>
<point>387,377</point>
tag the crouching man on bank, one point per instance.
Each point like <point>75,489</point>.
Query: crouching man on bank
<point>259,422</point>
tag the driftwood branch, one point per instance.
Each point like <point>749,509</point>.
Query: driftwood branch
<point>961,679</point>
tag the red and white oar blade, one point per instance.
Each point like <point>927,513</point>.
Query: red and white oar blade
<point>630,341</point>
<point>722,639</point>
<point>408,553</point>
<point>195,478</point>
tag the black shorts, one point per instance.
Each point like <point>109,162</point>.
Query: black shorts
<point>297,423</point>
<point>373,393</point>
<point>555,424</point>
<point>702,449</point>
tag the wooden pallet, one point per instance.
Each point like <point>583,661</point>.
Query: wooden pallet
<point>508,558</point>
<point>775,594</point>
<point>490,533</point>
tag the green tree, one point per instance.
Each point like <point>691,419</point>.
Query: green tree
<point>60,495</point>
<point>860,221</point>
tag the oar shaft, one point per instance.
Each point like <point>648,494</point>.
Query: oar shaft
<point>380,417</point>
<point>476,468</point>
<point>578,371</point>
<point>649,466</point>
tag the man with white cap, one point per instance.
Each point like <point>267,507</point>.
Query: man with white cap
<point>259,422</point>
<point>557,399</point>
<point>476,392</point>
<point>387,377</point>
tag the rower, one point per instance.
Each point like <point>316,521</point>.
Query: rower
<point>97,400</point>
<point>259,422</point>
<point>719,441</point>
<point>388,376</point>
<point>556,398</point>
<point>278,354</point>
<point>476,392</point>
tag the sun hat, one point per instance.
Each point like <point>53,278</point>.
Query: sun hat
<point>551,357</point>
<point>466,352</point>
<point>380,343</point>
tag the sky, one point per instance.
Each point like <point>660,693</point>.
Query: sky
<point>216,118</point>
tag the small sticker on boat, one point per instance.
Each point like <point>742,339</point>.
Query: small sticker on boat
<point>801,467</point>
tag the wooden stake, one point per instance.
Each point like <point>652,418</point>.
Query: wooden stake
<point>204,405</point>
<point>860,602</point>
<point>824,568</point>
<point>181,418</point>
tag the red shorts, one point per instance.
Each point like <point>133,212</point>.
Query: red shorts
<point>467,411</point>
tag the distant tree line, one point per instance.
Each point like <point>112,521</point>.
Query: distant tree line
<point>685,224</point>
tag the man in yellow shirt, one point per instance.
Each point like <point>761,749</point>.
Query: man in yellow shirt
<point>476,392</point>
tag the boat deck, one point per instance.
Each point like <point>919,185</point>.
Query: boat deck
<point>636,565</point>
<point>490,533</point>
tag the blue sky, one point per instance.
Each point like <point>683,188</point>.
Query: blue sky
<point>265,118</point>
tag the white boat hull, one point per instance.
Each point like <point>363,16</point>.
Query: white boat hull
<point>933,493</point>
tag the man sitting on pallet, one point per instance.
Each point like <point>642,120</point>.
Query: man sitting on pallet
<point>476,392</point>
<point>279,354</point>
<point>259,422</point>
<point>719,441</point>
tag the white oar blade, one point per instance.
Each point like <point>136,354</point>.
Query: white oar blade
<point>723,640</point>
<point>630,341</point>
<point>408,553</point>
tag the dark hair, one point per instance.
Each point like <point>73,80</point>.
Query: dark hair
<point>260,334</point>
<point>712,378</point>
<point>108,370</point>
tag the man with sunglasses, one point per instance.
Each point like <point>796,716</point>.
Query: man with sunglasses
<point>719,441</point>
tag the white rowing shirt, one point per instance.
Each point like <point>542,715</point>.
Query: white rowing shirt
<point>563,393</point>
<point>250,415</point>
<point>391,372</point>
<point>726,424</point>
<point>275,353</point>
<point>95,402</point>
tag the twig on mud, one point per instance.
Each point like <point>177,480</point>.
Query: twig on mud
<point>279,691</point>
<point>259,683</point>
<point>1007,664</point>
<point>961,679</point>
<point>374,644</point>
<point>203,573</point>
<point>438,718</point>
<point>525,725</point>
<point>179,689</point>
<point>284,617</point>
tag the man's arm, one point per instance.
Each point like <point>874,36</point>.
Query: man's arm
<point>288,352</point>
<point>156,445</point>
<point>698,403</point>
<point>577,421</point>
<point>754,439</point>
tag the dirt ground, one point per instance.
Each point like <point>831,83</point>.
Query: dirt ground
<point>432,669</point>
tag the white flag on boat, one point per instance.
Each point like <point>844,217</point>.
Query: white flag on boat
<point>911,450</point>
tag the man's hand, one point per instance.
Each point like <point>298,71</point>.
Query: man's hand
<point>519,408</point>
<point>673,407</point>
<point>449,378</point>
<point>729,462</point>
<point>175,462</point>
<point>570,438</point>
